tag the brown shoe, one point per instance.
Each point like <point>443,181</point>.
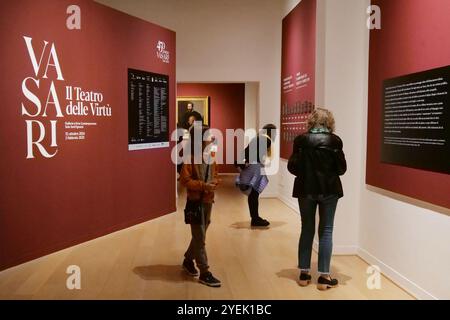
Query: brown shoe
<point>324,283</point>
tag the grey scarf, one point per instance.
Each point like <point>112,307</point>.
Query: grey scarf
<point>201,170</point>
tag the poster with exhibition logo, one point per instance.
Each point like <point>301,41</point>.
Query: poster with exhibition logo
<point>67,173</point>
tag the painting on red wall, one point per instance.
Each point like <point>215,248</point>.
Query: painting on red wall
<point>198,107</point>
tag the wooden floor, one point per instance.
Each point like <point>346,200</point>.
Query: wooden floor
<point>143,262</point>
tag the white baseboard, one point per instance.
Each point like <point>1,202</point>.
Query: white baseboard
<point>269,195</point>
<point>290,202</point>
<point>403,282</point>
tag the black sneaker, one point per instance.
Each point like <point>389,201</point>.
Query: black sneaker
<point>304,279</point>
<point>209,280</point>
<point>259,222</point>
<point>324,283</point>
<point>189,267</point>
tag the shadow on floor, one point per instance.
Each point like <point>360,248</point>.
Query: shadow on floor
<point>246,225</point>
<point>171,273</point>
<point>293,274</point>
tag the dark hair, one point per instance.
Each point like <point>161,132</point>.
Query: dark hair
<point>269,126</point>
<point>197,116</point>
<point>192,135</point>
<point>268,129</point>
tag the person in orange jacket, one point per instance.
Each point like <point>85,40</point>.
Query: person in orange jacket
<point>200,179</point>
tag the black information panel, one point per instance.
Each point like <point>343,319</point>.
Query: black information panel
<point>148,110</point>
<point>416,120</point>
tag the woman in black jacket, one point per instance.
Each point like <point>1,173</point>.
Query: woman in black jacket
<point>317,162</point>
<point>254,155</point>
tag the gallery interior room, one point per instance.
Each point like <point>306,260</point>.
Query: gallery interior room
<point>95,94</point>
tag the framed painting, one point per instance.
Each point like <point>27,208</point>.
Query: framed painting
<point>196,106</point>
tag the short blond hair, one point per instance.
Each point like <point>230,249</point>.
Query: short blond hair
<point>321,117</point>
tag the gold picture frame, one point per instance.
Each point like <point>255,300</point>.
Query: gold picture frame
<point>201,105</point>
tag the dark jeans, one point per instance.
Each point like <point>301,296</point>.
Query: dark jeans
<point>327,208</point>
<point>197,249</point>
<point>253,204</point>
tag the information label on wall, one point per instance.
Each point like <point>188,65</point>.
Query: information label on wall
<point>148,110</point>
<point>416,120</point>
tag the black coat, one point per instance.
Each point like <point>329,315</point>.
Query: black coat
<point>317,162</point>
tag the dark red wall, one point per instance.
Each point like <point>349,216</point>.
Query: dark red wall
<point>92,187</point>
<point>414,37</point>
<point>227,107</point>
<point>298,54</point>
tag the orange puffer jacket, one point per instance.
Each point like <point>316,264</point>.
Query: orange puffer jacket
<point>189,178</point>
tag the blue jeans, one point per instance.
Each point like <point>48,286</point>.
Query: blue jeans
<point>327,208</point>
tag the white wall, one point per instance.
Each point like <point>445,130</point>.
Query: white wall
<point>251,105</point>
<point>345,88</point>
<point>409,240</point>
<point>223,41</point>
<point>289,5</point>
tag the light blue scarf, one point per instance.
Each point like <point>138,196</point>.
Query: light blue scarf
<point>319,130</point>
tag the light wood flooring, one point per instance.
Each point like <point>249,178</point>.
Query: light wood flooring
<point>143,262</point>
